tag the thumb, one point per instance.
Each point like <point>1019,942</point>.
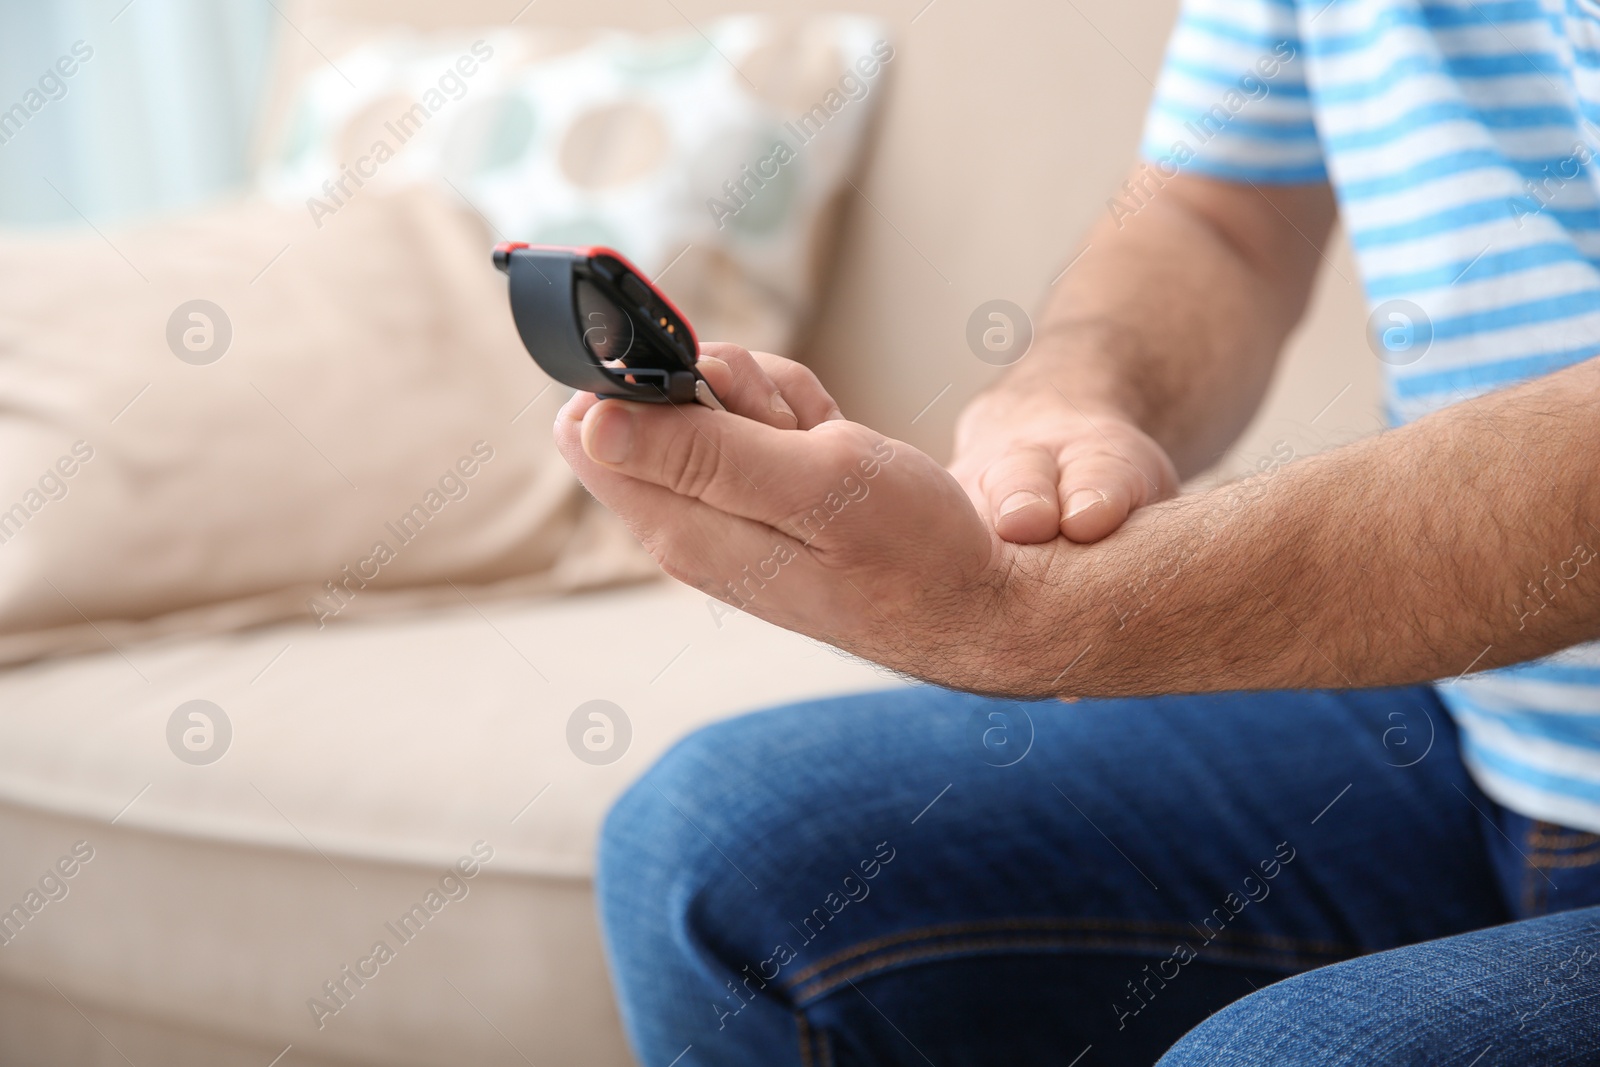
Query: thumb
<point>1019,491</point>
<point>1097,494</point>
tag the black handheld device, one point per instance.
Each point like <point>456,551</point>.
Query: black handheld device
<point>593,321</point>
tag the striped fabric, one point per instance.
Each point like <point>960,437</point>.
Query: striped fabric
<point>1460,138</point>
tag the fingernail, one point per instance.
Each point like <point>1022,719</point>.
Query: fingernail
<point>1082,500</point>
<point>610,437</point>
<point>781,408</point>
<point>1017,501</point>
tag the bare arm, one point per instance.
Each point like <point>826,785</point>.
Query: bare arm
<point>1465,539</point>
<point>1161,339</point>
<point>1403,557</point>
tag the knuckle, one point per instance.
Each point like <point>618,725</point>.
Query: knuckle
<point>748,375</point>
<point>805,375</point>
<point>739,359</point>
<point>655,543</point>
<point>671,562</point>
<point>692,464</point>
<point>1099,467</point>
<point>843,443</point>
<point>789,374</point>
<point>770,359</point>
<point>1022,467</point>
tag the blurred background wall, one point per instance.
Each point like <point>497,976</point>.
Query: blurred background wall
<point>158,118</point>
<point>1008,125</point>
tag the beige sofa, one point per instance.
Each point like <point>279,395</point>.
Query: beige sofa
<point>219,900</point>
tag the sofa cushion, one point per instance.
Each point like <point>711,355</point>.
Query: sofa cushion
<point>347,772</point>
<point>235,417</point>
<point>715,160</point>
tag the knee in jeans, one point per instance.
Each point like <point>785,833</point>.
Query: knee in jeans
<point>686,807</point>
<point>1335,1016</point>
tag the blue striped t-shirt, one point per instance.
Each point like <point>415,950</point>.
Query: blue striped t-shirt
<point>1460,139</point>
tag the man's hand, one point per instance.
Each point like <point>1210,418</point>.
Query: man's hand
<point>1391,560</point>
<point>783,508</point>
<point>1149,358</point>
<point>1041,466</point>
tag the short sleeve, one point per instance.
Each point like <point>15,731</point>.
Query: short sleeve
<point>1232,102</point>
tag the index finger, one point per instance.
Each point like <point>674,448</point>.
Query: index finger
<point>744,386</point>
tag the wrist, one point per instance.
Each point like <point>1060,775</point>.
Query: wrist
<point>1074,364</point>
<point>1047,404</point>
<point>1045,397</point>
<point>1042,626</point>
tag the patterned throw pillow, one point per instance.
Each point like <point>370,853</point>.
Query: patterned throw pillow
<point>713,161</point>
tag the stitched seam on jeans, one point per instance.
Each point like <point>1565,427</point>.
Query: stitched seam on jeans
<point>803,1030</point>
<point>1532,902</point>
<point>1555,861</point>
<point>1168,929</point>
<point>1574,839</point>
<point>1276,960</point>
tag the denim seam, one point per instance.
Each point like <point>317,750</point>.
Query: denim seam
<point>803,1032</point>
<point>1534,897</point>
<point>1558,861</point>
<point>803,992</point>
<point>1169,929</point>
<point>1559,841</point>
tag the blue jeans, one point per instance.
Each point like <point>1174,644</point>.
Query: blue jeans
<point>925,877</point>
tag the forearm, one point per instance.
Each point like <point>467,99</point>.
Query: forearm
<point>1462,540</point>
<point>1174,317</point>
